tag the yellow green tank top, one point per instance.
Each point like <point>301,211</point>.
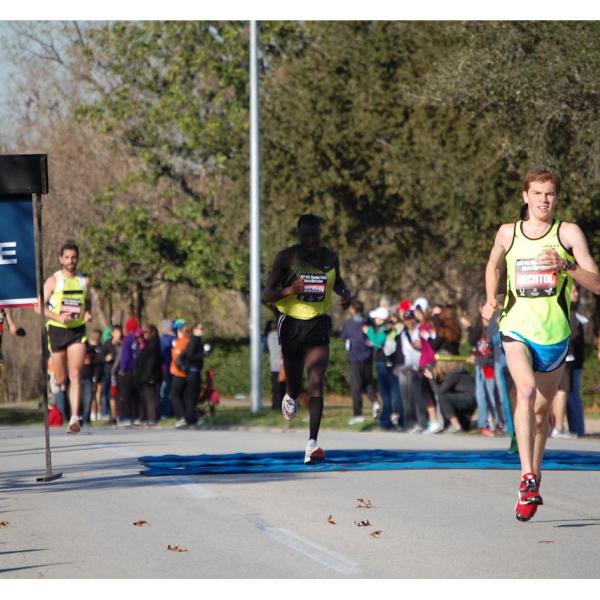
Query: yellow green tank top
<point>538,300</point>
<point>316,299</point>
<point>69,296</point>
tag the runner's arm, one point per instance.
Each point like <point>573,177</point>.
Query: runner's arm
<point>49,286</point>
<point>340,287</point>
<point>492,269</point>
<point>87,315</point>
<point>585,271</point>
<point>273,290</point>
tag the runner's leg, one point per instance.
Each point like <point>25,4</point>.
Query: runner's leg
<point>59,362</point>
<point>294,368</point>
<point>546,384</point>
<point>518,359</point>
<point>316,361</point>
<point>75,357</point>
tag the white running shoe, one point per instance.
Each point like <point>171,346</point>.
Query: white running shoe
<point>313,453</point>
<point>289,407</point>
<point>376,409</point>
<point>434,427</point>
<point>356,420</point>
<point>562,433</point>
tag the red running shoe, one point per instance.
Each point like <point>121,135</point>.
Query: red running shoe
<point>529,497</point>
<point>487,432</point>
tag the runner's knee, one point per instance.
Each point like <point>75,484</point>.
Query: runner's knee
<point>526,393</point>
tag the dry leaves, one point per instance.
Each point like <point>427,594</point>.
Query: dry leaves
<point>366,523</point>
<point>330,520</point>
<point>362,503</point>
<point>140,523</point>
<point>376,534</point>
<point>3,524</point>
<point>176,548</point>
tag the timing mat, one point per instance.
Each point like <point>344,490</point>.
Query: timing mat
<point>358,460</point>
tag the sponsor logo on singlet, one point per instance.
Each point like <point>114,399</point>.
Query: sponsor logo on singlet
<point>71,306</point>
<point>533,280</point>
<point>314,287</point>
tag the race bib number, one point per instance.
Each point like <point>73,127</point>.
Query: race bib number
<point>314,288</point>
<point>71,307</point>
<point>533,280</point>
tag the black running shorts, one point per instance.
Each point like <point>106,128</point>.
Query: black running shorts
<point>298,335</point>
<point>59,338</point>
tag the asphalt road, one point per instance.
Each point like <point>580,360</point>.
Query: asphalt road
<point>433,523</point>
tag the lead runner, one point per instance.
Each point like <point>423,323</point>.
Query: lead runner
<point>543,256</point>
<point>300,284</point>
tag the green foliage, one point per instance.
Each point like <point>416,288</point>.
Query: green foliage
<point>177,99</point>
<point>409,139</point>
<point>231,358</point>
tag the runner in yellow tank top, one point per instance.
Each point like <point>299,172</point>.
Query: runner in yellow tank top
<point>300,284</point>
<point>542,257</point>
<point>68,308</point>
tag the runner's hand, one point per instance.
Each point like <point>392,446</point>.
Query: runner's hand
<point>488,309</point>
<point>296,288</point>
<point>550,258</point>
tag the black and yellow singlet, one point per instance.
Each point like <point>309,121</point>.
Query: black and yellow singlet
<point>538,299</point>
<point>69,296</point>
<point>316,298</point>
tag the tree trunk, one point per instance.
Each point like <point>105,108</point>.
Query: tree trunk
<point>97,308</point>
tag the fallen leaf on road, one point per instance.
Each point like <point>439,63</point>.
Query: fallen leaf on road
<point>140,523</point>
<point>363,523</point>
<point>362,503</point>
<point>176,548</point>
<point>330,520</point>
<point>3,524</point>
<point>376,534</point>
<point>546,542</point>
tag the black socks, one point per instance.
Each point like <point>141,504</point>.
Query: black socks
<point>316,412</point>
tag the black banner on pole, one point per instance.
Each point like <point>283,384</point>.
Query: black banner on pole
<point>21,176</point>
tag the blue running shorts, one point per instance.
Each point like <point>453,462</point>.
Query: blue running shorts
<point>545,358</point>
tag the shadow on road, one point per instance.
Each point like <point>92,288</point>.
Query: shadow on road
<point>117,473</point>
<point>571,522</point>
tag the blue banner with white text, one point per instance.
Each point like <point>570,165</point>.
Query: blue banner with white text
<point>17,252</point>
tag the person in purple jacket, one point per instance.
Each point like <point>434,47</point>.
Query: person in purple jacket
<point>126,379</point>
<point>360,357</point>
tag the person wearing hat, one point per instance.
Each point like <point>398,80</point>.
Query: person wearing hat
<point>382,338</point>
<point>301,283</point>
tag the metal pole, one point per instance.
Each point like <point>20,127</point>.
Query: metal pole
<point>255,288</point>
<point>40,256</point>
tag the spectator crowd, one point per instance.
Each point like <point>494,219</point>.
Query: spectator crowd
<point>427,369</point>
<point>134,376</point>
<point>424,369</point>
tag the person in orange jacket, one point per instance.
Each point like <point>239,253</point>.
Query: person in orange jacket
<point>178,369</point>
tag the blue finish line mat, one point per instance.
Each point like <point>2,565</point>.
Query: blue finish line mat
<point>359,460</point>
